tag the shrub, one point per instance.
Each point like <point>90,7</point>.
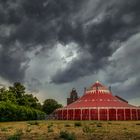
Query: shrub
<point>33,122</point>
<point>109,123</point>
<point>99,125</point>
<point>67,125</point>
<point>4,129</point>
<point>28,129</point>
<point>92,123</point>
<point>12,112</point>
<point>78,124</point>
<point>87,129</point>
<point>67,136</point>
<point>16,136</point>
<point>137,123</point>
<point>50,125</point>
<point>50,130</point>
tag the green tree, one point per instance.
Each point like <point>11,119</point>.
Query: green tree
<point>30,101</point>
<point>50,105</point>
<point>16,94</point>
<point>7,96</point>
<point>18,89</point>
<point>16,105</point>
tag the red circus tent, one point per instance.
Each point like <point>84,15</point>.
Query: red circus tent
<point>98,103</point>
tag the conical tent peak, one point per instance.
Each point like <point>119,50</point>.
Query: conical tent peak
<point>97,81</point>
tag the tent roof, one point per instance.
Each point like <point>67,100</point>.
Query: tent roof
<point>98,96</point>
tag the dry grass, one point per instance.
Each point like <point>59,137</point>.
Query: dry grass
<point>88,130</point>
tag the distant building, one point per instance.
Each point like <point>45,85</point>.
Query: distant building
<point>73,96</point>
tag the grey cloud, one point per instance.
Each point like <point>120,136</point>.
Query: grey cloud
<point>34,85</point>
<point>123,71</point>
<point>46,22</point>
<point>125,61</point>
<point>98,38</point>
<point>12,64</point>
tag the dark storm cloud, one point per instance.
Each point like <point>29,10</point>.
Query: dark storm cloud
<point>31,23</point>
<point>123,71</point>
<point>41,22</point>
<point>13,64</point>
<point>115,26</point>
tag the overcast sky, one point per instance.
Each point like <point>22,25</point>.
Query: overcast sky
<point>54,45</point>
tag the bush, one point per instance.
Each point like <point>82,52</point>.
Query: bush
<point>4,129</point>
<point>137,123</point>
<point>87,129</point>
<point>16,136</point>
<point>92,123</point>
<point>99,125</point>
<point>67,136</point>
<point>28,129</point>
<point>67,125</point>
<point>12,112</point>
<point>33,122</point>
<point>50,130</point>
<point>78,124</point>
<point>109,123</point>
<point>50,127</point>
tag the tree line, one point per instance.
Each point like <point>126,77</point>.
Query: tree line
<point>17,105</point>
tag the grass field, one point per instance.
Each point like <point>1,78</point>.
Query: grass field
<point>70,130</point>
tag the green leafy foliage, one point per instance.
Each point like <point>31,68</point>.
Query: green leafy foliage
<point>67,136</point>
<point>77,124</point>
<point>4,129</point>
<point>7,96</point>
<point>99,125</point>
<point>16,94</point>
<point>50,105</point>
<point>16,105</point>
<point>16,136</point>
<point>13,112</point>
<point>67,125</point>
<point>50,129</point>
<point>17,89</point>
<point>33,122</point>
<point>87,129</point>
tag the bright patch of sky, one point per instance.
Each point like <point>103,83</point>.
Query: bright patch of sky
<point>44,65</point>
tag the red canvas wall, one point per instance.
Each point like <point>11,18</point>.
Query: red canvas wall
<point>64,114</point>
<point>59,114</point>
<point>112,114</point>
<point>134,116</point>
<point>85,114</point>
<point>138,114</point>
<point>127,114</point>
<point>120,114</point>
<point>77,115</point>
<point>103,114</point>
<point>94,114</point>
<point>70,114</point>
